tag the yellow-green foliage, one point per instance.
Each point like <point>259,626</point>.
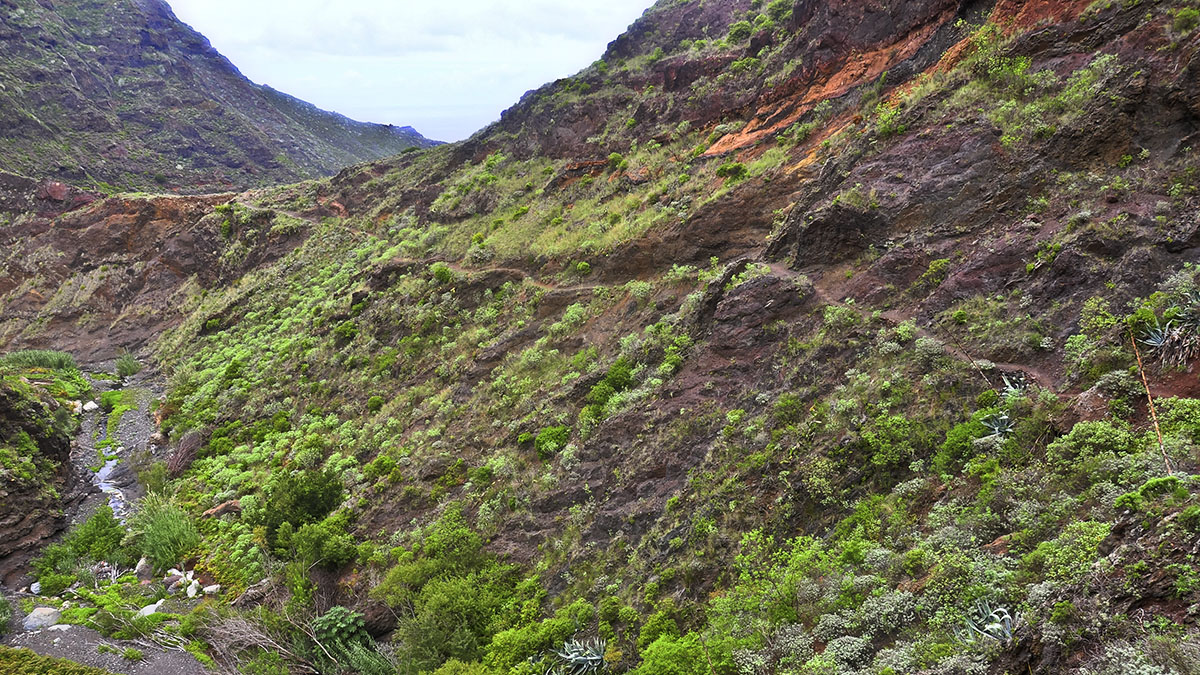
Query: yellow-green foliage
<point>25,662</point>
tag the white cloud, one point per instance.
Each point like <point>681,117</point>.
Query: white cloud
<point>445,68</point>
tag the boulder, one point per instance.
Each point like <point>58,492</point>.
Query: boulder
<point>150,609</point>
<point>144,571</point>
<point>212,590</point>
<point>90,406</point>
<point>42,617</point>
<point>231,506</point>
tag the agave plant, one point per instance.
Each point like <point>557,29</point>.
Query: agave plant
<point>578,657</point>
<point>999,424</point>
<point>1014,385</point>
<point>1156,337</point>
<point>996,624</point>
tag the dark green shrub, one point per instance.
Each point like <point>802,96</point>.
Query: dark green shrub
<point>299,498</point>
<point>326,542</point>
<point>550,440</point>
<point>99,538</point>
<point>740,31</point>
<point>732,172</point>
<point>346,330</point>
<point>340,628</point>
<point>375,403</point>
<point>1186,20</point>
<point>441,273</point>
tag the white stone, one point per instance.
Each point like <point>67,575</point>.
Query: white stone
<point>60,627</point>
<point>149,609</point>
<point>36,588</point>
<point>42,617</point>
<point>90,406</point>
<point>193,589</point>
<point>212,590</point>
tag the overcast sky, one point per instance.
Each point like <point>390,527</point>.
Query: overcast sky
<point>445,68</point>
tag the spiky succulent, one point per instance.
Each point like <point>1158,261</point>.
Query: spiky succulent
<point>996,624</point>
<point>579,657</point>
<point>999,424</point>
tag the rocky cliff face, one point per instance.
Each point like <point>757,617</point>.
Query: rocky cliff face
<point>35,475</point>
<point>787,336</point>
<point>126,95</point>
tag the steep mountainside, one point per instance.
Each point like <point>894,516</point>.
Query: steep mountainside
<point>790,337</point>
<point>123,93</point>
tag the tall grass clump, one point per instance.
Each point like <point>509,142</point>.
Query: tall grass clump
<point>165,532</point>
<point>128,365</point>
<point>39,358</point>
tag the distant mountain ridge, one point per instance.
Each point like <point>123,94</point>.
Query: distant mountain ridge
<point>125,94</point>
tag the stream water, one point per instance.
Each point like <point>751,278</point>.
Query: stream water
<point>104,480</point>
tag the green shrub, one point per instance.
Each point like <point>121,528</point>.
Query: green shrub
<point>340,628</point>
<point>732,172</point>
<point>1155,487</point>
<point>128,365</point>
<point>673,656</point>
<point>326,542</point>
<point>298,498</point>
<point>1068,558</point>
<point>375,403</point>
<point>5,615</point>
<point>1089,441</point>
<point>550,440</point>
<point>346,330</point>
<point>164,531</point>
<point>1186,20</point>
<point>98,538</point>
<point>441,273</point>
<point>740,31</point>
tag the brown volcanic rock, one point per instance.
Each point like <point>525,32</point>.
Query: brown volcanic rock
<point>104,278</point>
<point>31,513</point>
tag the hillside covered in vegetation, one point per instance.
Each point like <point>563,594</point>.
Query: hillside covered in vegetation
<point>788,337</point>
<point>122,96</point>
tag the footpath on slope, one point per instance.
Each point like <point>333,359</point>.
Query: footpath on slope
<point>114,483</point>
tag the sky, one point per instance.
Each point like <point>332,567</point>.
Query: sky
<point>445,68</point>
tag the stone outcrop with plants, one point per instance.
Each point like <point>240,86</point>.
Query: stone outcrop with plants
<point>789,337</point>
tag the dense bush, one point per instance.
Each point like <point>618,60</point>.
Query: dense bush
<point>740,31</point>
<point>99,538</point>
<point>453,595</point>
<point>298,498</point>
<point>550,440</point>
